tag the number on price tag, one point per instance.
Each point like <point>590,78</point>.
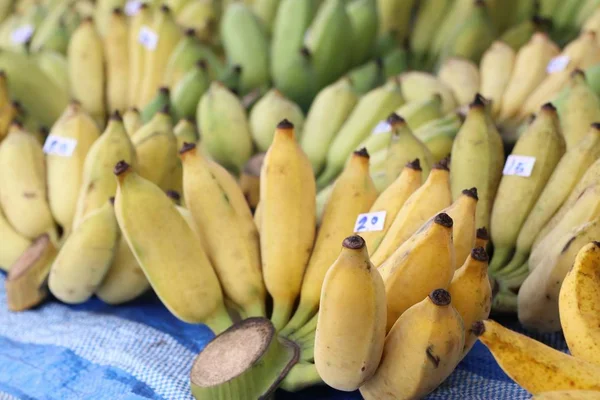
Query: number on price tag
<point>557,64</point>
<point>148,38</point>
<point>59,146</point>
<point>519,166</point>
<point>370,222</point>
<point>132,7</point>
<point>21,34</point>
<point>381,127</point>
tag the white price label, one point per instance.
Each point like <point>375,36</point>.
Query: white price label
<point>148,38</point>
<point>59,146</point>
<point>21,34</point>
<point>381,127</point>
<point>132,7</point>
<point>370,222</point>
<point>519,166</point>
<point>557,64</point>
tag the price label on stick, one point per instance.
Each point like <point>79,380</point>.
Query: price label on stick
<point>132,7</point>
<point>381,127</point>
<point>519,166</point>
<point>148,38</point>
<point>370,222</point>
<point>557,64</point>
<point>21,34</point>
<point>59,146</point>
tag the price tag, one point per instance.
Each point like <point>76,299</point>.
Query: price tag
<point>557,64</point>
<point>59,146</point>
<point>21,34</point>
<point>132,7</point>
<point>370,222</point>
<point>519,166</point>
<point>381,127</point>
<point>148,38</point>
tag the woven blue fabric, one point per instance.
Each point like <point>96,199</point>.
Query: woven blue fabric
<point>140,351</point>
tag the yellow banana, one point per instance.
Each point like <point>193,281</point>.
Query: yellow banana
<point>420,352</point>
<point>495,71</point>
<point>139,23</point>
<point>417,85</point>
<point>102,12</point>
<point>168,251</point>
<point>352,300</point>
<point>462,76</point>
<point>8,113</point>
<point>116,50</point>
<point>568,394</point>
<point>338,221</point>
<point>418,113</point>
<point>14,244</point>
<point>56,67</point>
<point>422,205</point>
<point>203,17</point>
<point>395,16</point>
<point>463,211</point>
<point>132,120</point>
<point>287,220</point>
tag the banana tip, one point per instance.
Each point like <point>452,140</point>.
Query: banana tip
<point>362,153</point>
<point>121,168</point>
<point>479,254</point>
<point>187,147</point>
<point>478,328</point>
<point>482,233</point>
<point>116,116</point>
<point>440,297</point>
<point>549,107</point>
<point>478,101</point>
<point>112,200</point>
<point>443,164</point>
<point>414,164</point>
<point>395,119</point>
<point>471,193</point>
<point>174,195</point>
<point>117,11</point>
<point>444,220</point>
<point>285,124</point>
<point>354,242</point>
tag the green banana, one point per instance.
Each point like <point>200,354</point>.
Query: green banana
<point>160,101</point>
<point>417,85</point>
<point>438,135</point>
<point>231,78</point>
<point>518,35</point>
<point>395,15</point>
<point>386,42</point>
<point>395,62</point>
<point>55,67</point>
<point>186,94</point>
<point>364,20</point>
<point>419,112</point>
<point>367,76</point>
<point>299,80</point>
<point>457,12</point>
<point>431,13</point>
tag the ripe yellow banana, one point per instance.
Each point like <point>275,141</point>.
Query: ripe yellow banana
<point>568,394</point>
<point>287,220</point>
<point>56,67</point>
<point>432,197</point>
<point>338,221</point>
<point>516,196</point>
<point>64,171</point>
<point>495,73</point>
<point>229,234</point>
<point>13,244</point>
<point>85,257</point>
<point>352,300</point>
<point>132,120</point>
<point>417,85</point>
<point>420,352</point>
<point>203,17</point>
<point>538,296</point>
<point>471,292</point>
<point>139,23</point>
<point>86,69</point>
<point>23,186</point>
<point>116,51</point>
<point>406,282</point>
<point>169,251</point>
<point>463,212</point>
<point>528,361</point>
<point>462,76</point>
<point>477,159</point>
<point>578,303</point>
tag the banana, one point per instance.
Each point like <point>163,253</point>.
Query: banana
<point>432,197</point>
<point>250,180</point>
<point>116,52</point>
<point>518,35</point>
<point>364,20</point>
<point>156,148</point>
<point>528,361</point>
<point>517,194</point>
<point>456,13</point>
<point>539,295</point>
<point>482,238</point>
<point>367,76</point>
<point>477,159</point>
<point>579,109</point>
<point>430,13</point>
<point>419,112</point>
<point>9,112</point>
<point>420,352</point>
<point>331,107</point>
<point>137,65</point>
<point>395,62</point>
<point>223,122</point>
<point>568,394</point>
<point>569,170</point>
<point>287,220</point>
<point>98,182</point>
<point>371,108</point>
<point>64,171</point>
<point>529,72</point>
<point>438,135</point>
<point>245,43</point>
<point>266,10</point>
<point>124,280</point>
<point>592,21</point>
<point>563,18</point>
<point>327,39</point>
<point>55,66</point>
<point>235,253</point>
<point>395,15</point>
<point>472,293</point>
<point>417,85</point>
<point>132,120</point>
<point>338,221</point>
<point>391,201</point>
<point>495,72</point>
<point>168,251</point>
<point>462,76</point>
<point>345,361</point>
<point>160,101</point>
<point>186,94</point>
<point>185,132</point>
<point>86,69</point>
<point>14,244</point>
<point>157,52</point>
<point>578,302</point>
<point>462,212</point>
<point>203,17</point>
<point>85,257</point>
<point>267,112</point>
<point>103,11</point>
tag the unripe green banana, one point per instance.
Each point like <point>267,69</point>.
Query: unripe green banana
<point>386,42</point>
<point>592,76</point>
<point>49,25</point>
<point>223,122</point>
<point>370,110</point>
<point>245,43</point>
<point>185,132</point>
<point>203,17</point>
<point>547,7</point>
<point>231,78</point>
<point>364,18</point>
<point>419,112</point>
<point>430,13</point>
<point>298,81</point>
<point>85,257</point>
<point>132,120</point>
<point>395,15</point>
<point>186,94</point>
<point>271,109</point>
<point>563,19</point>
<point>457,12</point>
<point>55,66</point>
<point>518,35</point>
<point>417,85</point>
<point>266,10</point>
<point>160,101</point>
<point>395,62</point>
<point>330,109</point>
<point>368,76</point>
<point>439,135</point>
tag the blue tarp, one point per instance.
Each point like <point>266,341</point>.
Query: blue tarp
<point>140,351</point>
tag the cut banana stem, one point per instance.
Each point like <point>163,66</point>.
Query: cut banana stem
<point>245,362</point>
<point>26,283</point>
<point>301,376</point>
